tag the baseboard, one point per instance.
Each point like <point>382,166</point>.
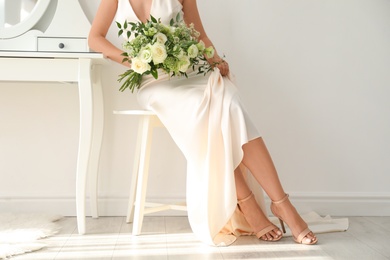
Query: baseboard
<point>334,204</point>
<point>342,203</point>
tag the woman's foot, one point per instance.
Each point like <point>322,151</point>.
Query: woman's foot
<point>285,211</point>
<point>262,227</point>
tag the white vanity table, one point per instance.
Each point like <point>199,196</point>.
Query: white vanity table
<point>47,46</point>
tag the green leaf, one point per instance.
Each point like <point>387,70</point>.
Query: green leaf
<point>132,80</point>
<point>125,25</point>
<point>119,25</point>
<point>153,19</point>
<point>154,73</point>
<point>128,34</point>
<point>120,32</point>
<point>178,17</point>
<point>171,22</point>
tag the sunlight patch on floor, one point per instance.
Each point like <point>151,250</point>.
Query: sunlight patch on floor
<point>179,246</point>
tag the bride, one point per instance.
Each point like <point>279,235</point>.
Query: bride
<point>208,122</point>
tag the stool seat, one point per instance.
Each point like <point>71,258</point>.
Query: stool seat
<point>138,207</point>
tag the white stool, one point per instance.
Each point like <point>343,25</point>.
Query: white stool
<point>138,207</point>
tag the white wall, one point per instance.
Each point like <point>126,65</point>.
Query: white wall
<point>314,76</point>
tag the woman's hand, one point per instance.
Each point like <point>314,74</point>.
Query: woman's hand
<point>221,64</point>
<point>191,16</point>
<point>223,67</point>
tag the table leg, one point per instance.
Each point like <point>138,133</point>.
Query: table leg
<point>97,128</point>
<point>85,138</point>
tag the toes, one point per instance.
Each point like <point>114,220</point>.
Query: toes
<point>274,234</point>
<point>267,237</point>
<point>278,231</point>
<point>310,238</point>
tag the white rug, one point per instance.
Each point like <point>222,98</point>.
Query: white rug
<point>20,233</point>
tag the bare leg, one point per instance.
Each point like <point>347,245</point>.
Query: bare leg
<point>258,160</point>
<point>252,211</point>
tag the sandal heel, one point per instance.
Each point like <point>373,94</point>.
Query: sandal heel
<point>282,225</point>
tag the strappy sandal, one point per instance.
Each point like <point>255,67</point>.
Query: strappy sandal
<point>300,239</point>
<point>263,231</point>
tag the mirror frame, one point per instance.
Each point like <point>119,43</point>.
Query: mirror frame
<point>28,23</point>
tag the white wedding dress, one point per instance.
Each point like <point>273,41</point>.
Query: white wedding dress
<point>207,121</point>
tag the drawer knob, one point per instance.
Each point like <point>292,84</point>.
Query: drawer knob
<point>61,45</point>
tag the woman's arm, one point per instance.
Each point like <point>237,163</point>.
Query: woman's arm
<point>191,15</point>
<point>97,36</point>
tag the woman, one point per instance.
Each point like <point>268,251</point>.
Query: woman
<point>207,121</point>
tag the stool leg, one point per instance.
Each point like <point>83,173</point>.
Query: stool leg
<point>142,174</point>
<point>134,178</point>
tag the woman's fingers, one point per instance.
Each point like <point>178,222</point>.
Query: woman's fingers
<point>223,67</point>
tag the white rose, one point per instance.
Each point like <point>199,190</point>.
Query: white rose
<point>161,38</point>
<point>180,54</point>
<point>192,51</point>
<point>139,66</point>
<point>150,31</point>
<point>209,52</point>
<point>201,46</point>
<point>159,53</point>
<point>145,55</point>
<point>184,64</point>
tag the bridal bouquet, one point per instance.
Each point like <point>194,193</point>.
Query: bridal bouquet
<point>173,48</point>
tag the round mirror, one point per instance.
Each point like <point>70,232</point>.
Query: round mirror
<point>19,16</point>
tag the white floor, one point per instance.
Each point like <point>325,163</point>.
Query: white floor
<point>171,238</point>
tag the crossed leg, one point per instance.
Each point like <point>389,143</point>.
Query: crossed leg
<point>252,211</point>
<point>259,162</point>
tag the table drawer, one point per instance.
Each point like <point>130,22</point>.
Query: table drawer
<point>62,44</point>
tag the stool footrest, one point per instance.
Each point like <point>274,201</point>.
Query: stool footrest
<point>151,207</point>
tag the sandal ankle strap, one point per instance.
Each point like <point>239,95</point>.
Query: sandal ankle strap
<point>245,199</point>
<point>282,200</point>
